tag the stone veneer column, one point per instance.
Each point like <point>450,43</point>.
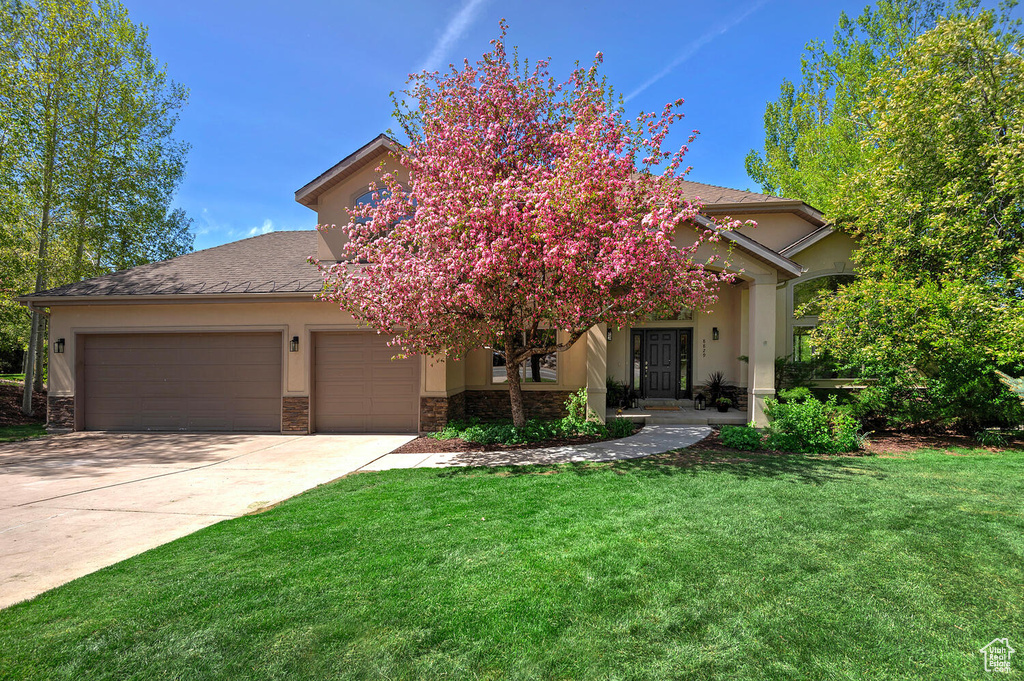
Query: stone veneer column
<point>60,413</point>
<point>295,414</point>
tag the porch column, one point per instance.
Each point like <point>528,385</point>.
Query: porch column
<point>761,350</point>
<point>597,370</point>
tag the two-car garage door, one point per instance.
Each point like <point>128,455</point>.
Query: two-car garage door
<point>182,382</point>
<point>232,382</point>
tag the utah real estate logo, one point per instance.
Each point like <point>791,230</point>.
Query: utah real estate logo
<point>997,655</point>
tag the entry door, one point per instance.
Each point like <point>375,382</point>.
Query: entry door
<point>660,348</point>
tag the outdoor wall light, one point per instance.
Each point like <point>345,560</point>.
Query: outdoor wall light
<point>609,335</point>
<point>293,346</point>
<point>714,333</point>
<point>58,346</point>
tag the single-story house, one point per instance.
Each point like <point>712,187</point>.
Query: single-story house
<point>231,338</point>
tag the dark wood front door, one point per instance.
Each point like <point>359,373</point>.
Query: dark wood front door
<point>662,362</point>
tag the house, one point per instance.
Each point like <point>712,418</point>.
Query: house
<point>231,338</point>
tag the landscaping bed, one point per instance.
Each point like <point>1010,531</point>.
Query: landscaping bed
<point>473,436</point>
<point>13,424</point>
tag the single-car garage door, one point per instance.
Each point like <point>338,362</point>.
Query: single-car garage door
<point>182,382</point>
<point>360,389</point>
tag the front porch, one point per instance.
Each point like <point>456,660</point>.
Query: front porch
<point>678,412</point>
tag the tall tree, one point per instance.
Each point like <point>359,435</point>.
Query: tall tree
<point>813,130</point>
<point>532,206</point>
<point>937,209</point>
<point>88,162</point>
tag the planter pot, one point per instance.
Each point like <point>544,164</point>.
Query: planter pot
<point>723,409</point>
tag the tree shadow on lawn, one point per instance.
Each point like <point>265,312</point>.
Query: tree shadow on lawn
<point>806,469</point>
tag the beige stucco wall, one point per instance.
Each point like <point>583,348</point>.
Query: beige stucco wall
<point>332,205</point>
<point>776,230</point>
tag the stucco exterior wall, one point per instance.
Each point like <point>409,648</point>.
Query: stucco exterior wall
<point>333,204</point>
<point>776,230</point>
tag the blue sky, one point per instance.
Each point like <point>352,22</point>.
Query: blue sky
<point>282,91</point>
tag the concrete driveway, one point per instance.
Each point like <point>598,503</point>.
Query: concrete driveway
<point>72,504</point>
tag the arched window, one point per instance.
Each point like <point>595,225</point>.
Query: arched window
<point>809,292</point>
<point>807,298</point>
<point>366,199</point>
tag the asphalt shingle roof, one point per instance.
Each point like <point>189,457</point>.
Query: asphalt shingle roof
<point>269,263</point>
<point>711,194</point>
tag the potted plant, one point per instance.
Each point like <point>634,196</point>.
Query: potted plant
<point>716,387</point>
<point>723,404</point>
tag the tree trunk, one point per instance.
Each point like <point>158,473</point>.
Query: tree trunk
<point>30,365</point>
<point>535,368</point>
<point>515,387</point>
<point>41,354</point>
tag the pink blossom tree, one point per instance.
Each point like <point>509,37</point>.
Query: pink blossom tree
<point>531,206</point>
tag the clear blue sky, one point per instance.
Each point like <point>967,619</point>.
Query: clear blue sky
<point>280,91</point>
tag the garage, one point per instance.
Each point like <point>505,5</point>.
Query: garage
<point>359,388</point>
<point>198,382</point>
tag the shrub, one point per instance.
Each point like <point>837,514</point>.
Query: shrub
<point>795,394</point>
<point>741,437</point>
<point>811,426</point>
<point>990,438</point>
<point>617,392</point>
<point>620,427</point>
<point>576,406</point>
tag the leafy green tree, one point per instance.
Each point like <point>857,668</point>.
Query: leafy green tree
<point>813,130</point>
<point>937,207</point>
<point>88,162</point>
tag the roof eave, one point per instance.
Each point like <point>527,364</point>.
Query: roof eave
<point>147,298</point>
<point>799,208</point>
<point>309,193</point>
<point>787,269</point>
<point>807,241</point>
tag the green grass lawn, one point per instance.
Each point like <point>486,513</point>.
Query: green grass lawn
<point>760,568</point>
<point>12,377</point>
<point>23,432</point>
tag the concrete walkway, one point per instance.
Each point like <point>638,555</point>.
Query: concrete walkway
<point>650,440</point>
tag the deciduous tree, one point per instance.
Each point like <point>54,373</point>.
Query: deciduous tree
<point>532,205</point>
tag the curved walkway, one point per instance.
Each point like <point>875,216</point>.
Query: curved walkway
<point>652,439</point>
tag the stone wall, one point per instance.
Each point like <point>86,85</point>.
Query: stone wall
<point>492,405</point>
<point>295,414</point>
<point>60,413</point>
<point>436,412</point>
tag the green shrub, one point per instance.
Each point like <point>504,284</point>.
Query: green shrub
<point>576,406</point>
<point>990,438</point>
<point>620,427</point>
<point>535,430</point>
<point>797,394</point>
<point>741,437</point>
<point>811,426</point>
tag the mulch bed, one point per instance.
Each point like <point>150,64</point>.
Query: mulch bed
<point>429,445</point>
<point>878,443</point>
<point>10,406</point>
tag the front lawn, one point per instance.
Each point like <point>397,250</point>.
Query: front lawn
<point>692,565</point>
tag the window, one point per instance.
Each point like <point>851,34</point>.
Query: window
<point>808,292</point>
<point>537,369</point>
<point>366,199</point>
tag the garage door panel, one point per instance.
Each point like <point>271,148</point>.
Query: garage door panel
<point>202,382</point>
<point>360,388</point>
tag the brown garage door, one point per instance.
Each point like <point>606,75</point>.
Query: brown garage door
<point>360,389</point>
<point>189,382</point>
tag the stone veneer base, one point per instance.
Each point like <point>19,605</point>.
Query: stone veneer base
<point>60,413</point>
<point>295,414</point>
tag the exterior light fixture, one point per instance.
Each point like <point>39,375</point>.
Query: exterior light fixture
<point>58,346</point>
<point>293,346</point>
<point>699,402</point>
<point>714,333</point>
<point>609,335</point>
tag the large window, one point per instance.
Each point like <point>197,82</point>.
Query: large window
<point>538,369</point>
<point>807,298</point>
<point>367,199</point>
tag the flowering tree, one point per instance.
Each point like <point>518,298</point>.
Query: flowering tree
<point>531,206</point>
